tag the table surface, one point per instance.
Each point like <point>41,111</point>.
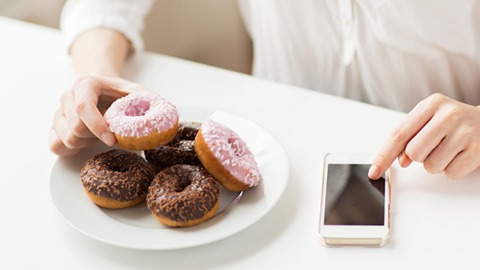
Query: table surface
<point>435,221</point>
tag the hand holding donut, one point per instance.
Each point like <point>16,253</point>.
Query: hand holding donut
<point>439,132</point>
<point>79,122</point>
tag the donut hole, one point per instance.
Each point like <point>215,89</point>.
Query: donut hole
<point>183,183</point>
<point>137,108</point>
<point>118,168</point>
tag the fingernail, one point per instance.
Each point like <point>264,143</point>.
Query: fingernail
<point>373,172</point>
<point>108,138</point>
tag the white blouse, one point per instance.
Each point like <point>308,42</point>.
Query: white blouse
<point>390,53</point>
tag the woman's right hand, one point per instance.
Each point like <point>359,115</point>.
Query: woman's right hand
<point>79,122</point>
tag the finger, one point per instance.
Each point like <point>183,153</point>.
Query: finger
<point>113,89</point>
<point>443,154</point>
<point>404,160</point>
<point>86,94</point>
<point>56,143</point>
<point>427,139</point>
<point>464,163</point>
<point>68,139</point>
<point>76,126</point>
<point>398,139</point>
<point>57,146</point>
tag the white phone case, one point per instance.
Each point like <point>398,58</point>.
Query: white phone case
<point>347,235</point>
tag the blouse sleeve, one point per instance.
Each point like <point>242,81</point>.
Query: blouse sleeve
<point>124,16</point>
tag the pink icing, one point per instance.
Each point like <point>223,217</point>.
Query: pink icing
<point>232,152</point>
<point>138,114</point>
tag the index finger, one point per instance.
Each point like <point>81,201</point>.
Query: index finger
<point>92,94</point>
<point>87,93</point>
<point>398,139</point>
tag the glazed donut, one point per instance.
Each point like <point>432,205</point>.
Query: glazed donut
<point>183,195</point>
<point>179,151</point>
<point>226,156</point>
<point>142,120</point>
<point>117,178</point>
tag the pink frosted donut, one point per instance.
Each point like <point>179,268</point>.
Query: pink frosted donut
<point>226,156</point>
<point>142,121</point>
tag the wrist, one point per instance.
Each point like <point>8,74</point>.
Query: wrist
<point>99,52</point>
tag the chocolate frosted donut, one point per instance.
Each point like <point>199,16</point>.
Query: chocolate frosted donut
<point>179,151</point>
<point>117,179</point>
<point>183,195</point>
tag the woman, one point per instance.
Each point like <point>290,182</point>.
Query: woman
<point>406,55</point>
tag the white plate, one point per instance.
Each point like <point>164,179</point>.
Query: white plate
<point>136,228</point>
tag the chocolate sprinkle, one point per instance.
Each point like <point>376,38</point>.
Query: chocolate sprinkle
<point>179,151</point>
<point>117,174</point>
<point>182,193</point>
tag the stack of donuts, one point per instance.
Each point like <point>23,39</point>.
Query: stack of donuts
<point>183,165</point>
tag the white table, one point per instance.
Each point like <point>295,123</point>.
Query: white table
<point>435,221</point>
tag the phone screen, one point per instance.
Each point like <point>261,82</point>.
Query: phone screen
<point>352,198</point>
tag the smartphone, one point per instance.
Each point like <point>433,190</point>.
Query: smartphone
<point>355,210</point>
